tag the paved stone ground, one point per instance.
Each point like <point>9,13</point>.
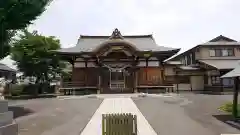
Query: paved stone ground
<point>185,114</point>
<point>167,114</point>
<point>49,116</point>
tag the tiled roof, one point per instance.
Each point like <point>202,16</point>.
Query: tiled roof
<point>89,43</point>
<point>222,38</point>
<point>6,68</point>
<point>222,64</point>
<point>141,42</point>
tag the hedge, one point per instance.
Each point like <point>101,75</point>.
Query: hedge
<point>29,89</point>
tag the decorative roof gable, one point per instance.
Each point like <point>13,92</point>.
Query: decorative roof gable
<point>116,34</point>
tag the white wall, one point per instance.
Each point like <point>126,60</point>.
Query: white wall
<point>197,82</point>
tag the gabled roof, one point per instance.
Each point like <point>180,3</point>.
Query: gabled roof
<point>217,41</point>
<point>141,42</point>
<point>222,38</point>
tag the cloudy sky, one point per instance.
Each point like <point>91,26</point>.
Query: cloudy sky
<point>173,23</point>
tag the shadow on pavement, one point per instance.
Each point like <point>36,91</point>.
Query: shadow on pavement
<point>19,111</point>
<point>228,119</point>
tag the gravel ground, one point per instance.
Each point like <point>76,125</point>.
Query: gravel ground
<point>185,114</point>
<point>54,116</point>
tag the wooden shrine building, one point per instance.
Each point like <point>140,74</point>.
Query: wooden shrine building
<point>116,63</point>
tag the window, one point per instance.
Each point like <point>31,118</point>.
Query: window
<point>224,52</point>
<point>231,52</point>
<point>212,52</point>
<point>228,81</point>
<point>215,80</point>
<point>221,52</point>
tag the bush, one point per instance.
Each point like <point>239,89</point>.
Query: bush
<point>228,107</point>
<point>24,97</point>
<point>15,89</point>
<point>30,89</point>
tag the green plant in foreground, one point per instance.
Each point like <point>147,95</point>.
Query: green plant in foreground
<point>228,107</point>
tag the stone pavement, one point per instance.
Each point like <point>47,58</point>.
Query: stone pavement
<point>168,114</point>
<point>117,105</point>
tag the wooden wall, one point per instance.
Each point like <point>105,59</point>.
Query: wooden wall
<point>150,76</point>
<point>86,76</point>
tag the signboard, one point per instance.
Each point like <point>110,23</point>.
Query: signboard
<point>147,55</point>
<point>117,47</point>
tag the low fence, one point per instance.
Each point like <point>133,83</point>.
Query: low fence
<point>119,124</point>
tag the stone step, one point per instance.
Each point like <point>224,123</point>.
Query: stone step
<point>6,118</point>
<point>10,129</point>
<point>3,106</point>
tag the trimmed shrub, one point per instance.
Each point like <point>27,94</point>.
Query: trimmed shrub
<point>30,89</point>
<point>16,89</point>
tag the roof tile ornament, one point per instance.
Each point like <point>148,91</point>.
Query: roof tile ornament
<point>116,34</point>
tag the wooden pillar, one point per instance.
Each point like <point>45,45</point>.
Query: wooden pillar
<point>136,82</point>
<point>235,97</point>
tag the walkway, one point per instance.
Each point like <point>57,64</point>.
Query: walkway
<point>117,105</point>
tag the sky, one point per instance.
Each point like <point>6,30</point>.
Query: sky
<point>173,23</point>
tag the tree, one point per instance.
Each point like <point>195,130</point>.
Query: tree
<point>16,15</point>
<point>35,57</point>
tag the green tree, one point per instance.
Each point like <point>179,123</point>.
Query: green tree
<point>35,57</point>
<point>16,15</point>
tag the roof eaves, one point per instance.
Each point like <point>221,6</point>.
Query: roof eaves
<point>181,54</point>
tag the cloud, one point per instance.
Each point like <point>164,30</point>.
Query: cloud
<point>166,19</point>
<point>173,23</point>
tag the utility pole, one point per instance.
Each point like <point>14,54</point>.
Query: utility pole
<point>235,97</point>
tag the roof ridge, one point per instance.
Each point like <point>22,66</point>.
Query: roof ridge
<point>105,36</point>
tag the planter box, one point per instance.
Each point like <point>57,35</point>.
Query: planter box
<point>6,118</point>
<point>10,129</point>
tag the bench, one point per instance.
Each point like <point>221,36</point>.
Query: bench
<point>119,124</point>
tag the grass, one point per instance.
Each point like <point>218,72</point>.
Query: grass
<point>228,108</point>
